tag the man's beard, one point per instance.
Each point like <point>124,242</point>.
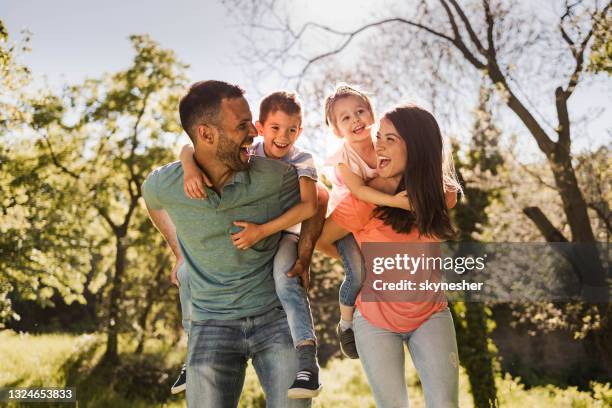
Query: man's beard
<point>228,152</point>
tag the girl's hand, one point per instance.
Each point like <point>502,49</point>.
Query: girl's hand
<point>249,236</point>
<point>193,183</point>
<point>400,200</point>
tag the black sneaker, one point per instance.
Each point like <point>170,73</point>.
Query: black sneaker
<point>306,385</point>
<point>347,342</point>
<point>181,382</point>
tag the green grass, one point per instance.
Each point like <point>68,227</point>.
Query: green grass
<point>57,360</point>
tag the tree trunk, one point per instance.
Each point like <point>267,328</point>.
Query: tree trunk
<point>111,355</point>
<point>472,342</point>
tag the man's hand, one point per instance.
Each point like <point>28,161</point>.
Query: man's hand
<point>174,273</point>
<point>301,270</point>
<point>249,236</point>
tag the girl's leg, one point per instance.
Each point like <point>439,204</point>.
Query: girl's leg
<point>354,270</point>
<point>433,347</point>
<point>354,275</point>
<point>382,356</point>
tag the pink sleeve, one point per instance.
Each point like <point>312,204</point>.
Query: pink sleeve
<point>352,214</point>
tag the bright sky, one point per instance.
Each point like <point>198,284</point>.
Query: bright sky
<point>75,39</point>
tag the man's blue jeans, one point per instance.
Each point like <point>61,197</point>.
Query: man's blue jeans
<point>218,355</point>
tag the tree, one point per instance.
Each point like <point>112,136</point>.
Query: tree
<point>493,40</point>
<point>105,136</point>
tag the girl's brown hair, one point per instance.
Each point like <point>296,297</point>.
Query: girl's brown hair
<point>426,176</point>
<point>343,91</point>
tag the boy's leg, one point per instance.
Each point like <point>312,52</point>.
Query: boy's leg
<point>292,295</point>
<point>295,303</point>
<point>354,275</point>
<point>275,359</point>
<point>184,296</point>
<point>185,299</point>
<point>216,364</point>
<point>433,347</point>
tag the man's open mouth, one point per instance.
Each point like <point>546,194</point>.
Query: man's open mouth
<point>245,148</point>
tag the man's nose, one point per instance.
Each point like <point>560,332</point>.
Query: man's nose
<point>252,130</point>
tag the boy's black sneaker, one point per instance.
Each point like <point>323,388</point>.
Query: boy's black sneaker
<point>347,342</point>
<point>306,385</point>
<point>181,382</point>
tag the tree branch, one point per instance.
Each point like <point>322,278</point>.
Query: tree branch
<point>547,229</point>
<point>351,35</point>
<point>56,162</point>
<point>468,27</point>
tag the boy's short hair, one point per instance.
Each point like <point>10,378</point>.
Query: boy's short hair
<point>285,101</point>
<point>202,103</point>
<point>343,91</point>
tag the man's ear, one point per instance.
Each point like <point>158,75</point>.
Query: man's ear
<point>206,134</point>
<point>299,132</point>
<point>259,127</point>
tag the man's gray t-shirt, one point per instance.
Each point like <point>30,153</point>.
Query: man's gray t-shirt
<point>226,282</point>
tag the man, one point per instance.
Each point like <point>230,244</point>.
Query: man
<point>236,314</point>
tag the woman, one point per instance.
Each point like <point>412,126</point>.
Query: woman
<point>410,157</point>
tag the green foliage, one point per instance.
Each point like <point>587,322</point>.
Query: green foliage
<point>600,56</point>
<point>62,360</point>
<point>70,187</point>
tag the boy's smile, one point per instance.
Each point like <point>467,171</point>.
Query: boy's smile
<point>280,131</point>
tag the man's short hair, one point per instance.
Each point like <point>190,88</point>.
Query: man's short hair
<point>202,103</point>
<point>285,101</point>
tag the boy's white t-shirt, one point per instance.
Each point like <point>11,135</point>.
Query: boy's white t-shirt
<point>303,163</point>
<point>347,155</point>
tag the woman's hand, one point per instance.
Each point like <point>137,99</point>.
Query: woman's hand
<point>249,236</point>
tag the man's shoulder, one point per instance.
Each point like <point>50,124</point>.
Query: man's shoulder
<point>166,176</point>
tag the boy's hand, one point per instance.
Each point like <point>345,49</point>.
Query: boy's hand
<point>400,200</point>
<point>174,273</point>
<point>249,236</point>
<point>302,271</point>
<point>193,184</point>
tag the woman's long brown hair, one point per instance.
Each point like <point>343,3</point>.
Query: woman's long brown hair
<point>424,177</point>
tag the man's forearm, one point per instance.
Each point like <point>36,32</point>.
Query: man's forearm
<point>161,220</point>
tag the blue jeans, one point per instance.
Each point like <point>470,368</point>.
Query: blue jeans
<point>184,296</point>
<point>218,355</point>
<point>433,348</point>
<point>291,293</point>
<point>354,269</point>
